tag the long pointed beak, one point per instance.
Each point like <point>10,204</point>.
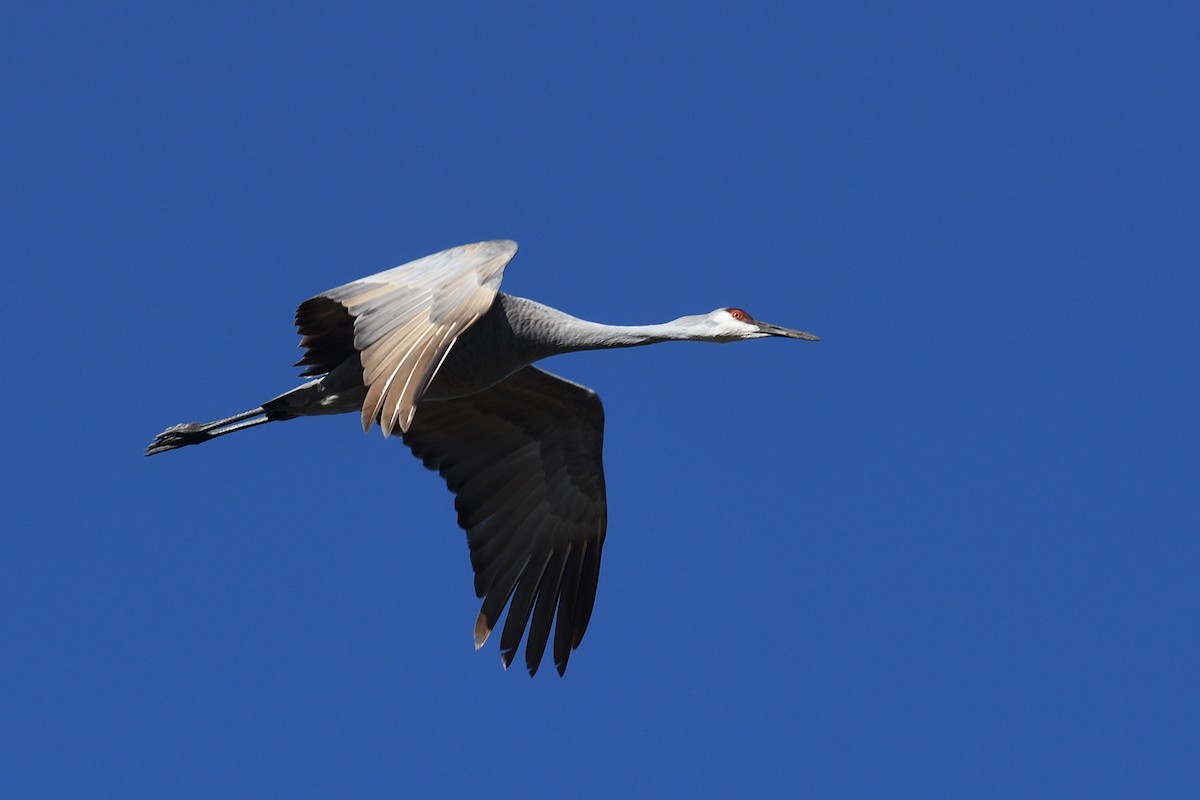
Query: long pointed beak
<point>775,330</point>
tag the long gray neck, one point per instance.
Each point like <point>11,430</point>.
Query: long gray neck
<point>549,331</point>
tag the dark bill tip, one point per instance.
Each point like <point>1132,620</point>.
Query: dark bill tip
<point>775,330</point>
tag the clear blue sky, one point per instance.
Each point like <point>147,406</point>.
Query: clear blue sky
<point>949,551</point>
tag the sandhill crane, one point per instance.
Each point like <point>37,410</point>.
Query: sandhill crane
<point>433,350</point>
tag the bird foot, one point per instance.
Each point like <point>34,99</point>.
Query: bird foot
<point>178,436</point>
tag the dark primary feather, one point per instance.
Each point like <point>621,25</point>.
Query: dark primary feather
<point>524,461</point>
<point>326,331</point>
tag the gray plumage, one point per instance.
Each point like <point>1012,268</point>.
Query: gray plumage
<point>434,351</point>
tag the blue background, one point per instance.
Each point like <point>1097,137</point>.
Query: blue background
<point>949,551</point>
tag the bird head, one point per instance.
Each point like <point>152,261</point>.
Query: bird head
<point>734,324</point>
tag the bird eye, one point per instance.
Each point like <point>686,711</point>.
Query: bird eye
<point>738,314</point>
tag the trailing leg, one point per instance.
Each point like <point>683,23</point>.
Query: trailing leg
<point>197,432</point>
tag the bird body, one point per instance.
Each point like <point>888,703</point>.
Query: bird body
<point>433,350</point>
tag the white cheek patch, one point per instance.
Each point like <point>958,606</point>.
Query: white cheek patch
<point>730,327</point>
<point>738,315</point>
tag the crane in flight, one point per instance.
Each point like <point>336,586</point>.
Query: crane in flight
<point>433,351</point>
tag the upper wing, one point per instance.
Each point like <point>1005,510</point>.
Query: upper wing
<point>524,459</point>
<point>402,322</point>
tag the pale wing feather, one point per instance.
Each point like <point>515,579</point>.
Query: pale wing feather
<point>524,460</point>
<point>405,321</point>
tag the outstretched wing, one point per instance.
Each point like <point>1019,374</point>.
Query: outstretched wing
<point>402,322</point>
<point>524,461</point>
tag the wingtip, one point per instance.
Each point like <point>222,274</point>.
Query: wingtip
<point>482,631</point>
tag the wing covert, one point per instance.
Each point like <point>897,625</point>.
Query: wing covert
<point>402,322</point>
